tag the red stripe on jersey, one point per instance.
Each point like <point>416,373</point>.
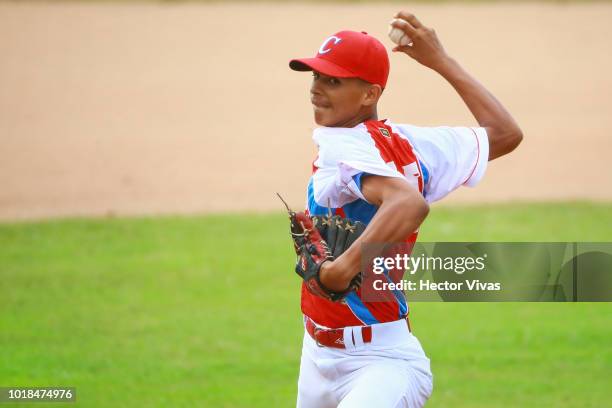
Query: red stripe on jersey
<point>397,150</point>
<point>314,167</point>
<point>327,313</point>
<point>477,156</point>
<point>394,149</point>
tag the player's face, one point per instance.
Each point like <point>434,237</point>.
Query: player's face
<point>338,102</point>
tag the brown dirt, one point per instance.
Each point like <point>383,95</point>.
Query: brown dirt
<point>156,108</point>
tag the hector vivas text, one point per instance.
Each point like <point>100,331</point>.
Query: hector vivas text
<point>412,265</point>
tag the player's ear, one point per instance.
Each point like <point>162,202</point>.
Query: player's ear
<point>372,94</point>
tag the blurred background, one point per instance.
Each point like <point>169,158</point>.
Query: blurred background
<point>144,258</point>
<point>148,108</point>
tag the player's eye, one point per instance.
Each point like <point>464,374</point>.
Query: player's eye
<point>330,80</point>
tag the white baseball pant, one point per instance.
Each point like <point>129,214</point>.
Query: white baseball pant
<point>391,371</point>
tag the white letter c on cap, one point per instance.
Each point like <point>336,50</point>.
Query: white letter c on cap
<point>333,38</point>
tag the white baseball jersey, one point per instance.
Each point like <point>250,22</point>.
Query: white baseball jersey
<point>435,160</point>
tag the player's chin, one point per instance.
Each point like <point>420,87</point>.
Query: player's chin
<point>322,116</point>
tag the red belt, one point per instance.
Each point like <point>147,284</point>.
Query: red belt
<point>335,337</point>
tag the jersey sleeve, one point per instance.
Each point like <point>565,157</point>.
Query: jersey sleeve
<point>453,156</point>
<point>342,163</point>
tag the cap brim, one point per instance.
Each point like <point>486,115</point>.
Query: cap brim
<point>320,65</point>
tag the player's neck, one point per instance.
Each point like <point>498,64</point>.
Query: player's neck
<point>365,116</point>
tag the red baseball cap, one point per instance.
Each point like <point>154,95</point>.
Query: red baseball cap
<point>349,54</point>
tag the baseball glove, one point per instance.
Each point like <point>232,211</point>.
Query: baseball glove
<point>318,239</point>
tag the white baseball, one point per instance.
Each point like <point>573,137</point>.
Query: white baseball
<point>398,36</point>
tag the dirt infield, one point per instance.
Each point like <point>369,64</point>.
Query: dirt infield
<point>156,108</point>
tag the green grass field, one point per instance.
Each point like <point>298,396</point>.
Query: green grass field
<point>183,312</point>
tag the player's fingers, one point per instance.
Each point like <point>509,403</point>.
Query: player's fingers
<point>404,26</point>
<point>411,18</point>
<point>403,48</point>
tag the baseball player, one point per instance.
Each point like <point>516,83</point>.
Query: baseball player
<point>358,353</point>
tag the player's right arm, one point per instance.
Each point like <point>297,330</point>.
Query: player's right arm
<point>401,210</point>
<point>502,130</point>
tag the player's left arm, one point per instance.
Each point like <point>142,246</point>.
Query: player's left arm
<point>401,210</point>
